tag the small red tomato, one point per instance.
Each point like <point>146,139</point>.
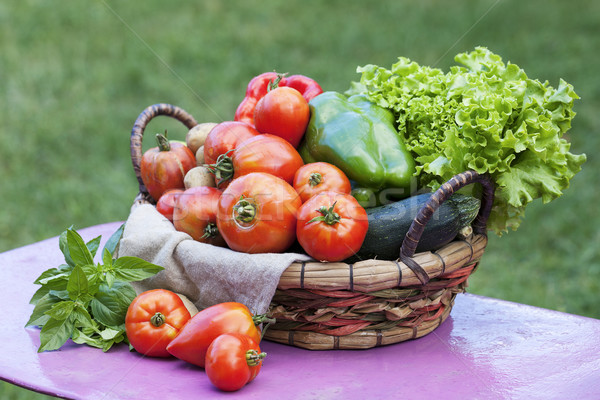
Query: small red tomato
<point>257,214</point>
<point>331,226</point>
<point>225,137</point>
<point>318,177</point>
<point>166,203</point>
<point>283,112</point>
<point>195,213</point>
<point>164,167</point>
<point>192,342</point>
<point>232,361</point>
<point>153,319</point>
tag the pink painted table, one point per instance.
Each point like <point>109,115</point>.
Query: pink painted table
<point>486,349</point>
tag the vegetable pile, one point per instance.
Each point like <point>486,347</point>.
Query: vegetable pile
<point>484,115</point>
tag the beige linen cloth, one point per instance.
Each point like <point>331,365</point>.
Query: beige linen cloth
<point>205,274</point>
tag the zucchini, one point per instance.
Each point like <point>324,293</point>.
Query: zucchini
<point>388,224</point>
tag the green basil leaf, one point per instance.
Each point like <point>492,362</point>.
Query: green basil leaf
<point>39,294</point>
<point>56,282</point>
<point>109,333</point>
<point>80,337</point>
<point>110,304</point>
<point>79,252</point>
<point>130,269</point>
<point>93,245</point>
<point>83,317</point>
<point>55,333</point>
<point>60,294</point>
<point>64,247</point>
<point>78,284</point>
<point>61,310</point>
<point>52,272</point>
<point>107,258</point>
<point>110,278</point>
<point>38,316</point>
<point>113,241</point>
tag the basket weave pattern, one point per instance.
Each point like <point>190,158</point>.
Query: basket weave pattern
<point>322,306</point>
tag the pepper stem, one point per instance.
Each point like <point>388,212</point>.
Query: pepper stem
<point>275,83</point>
<point>315,178</point>
<point>328,216</point>
<point>254,358</point>
<point>163,142</point>
<point>157,319</point>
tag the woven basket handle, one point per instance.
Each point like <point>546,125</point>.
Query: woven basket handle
<point>411,240</point>
<point>137,133</point>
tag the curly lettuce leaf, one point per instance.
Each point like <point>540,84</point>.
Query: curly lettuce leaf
<point>483,115</point>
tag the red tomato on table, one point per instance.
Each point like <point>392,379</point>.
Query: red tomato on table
<point>232,361</point>
<point>154,318</point>
<point>231,317</point>
<point>331,226</point>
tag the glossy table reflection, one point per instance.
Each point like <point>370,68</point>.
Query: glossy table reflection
<point>487,349</point>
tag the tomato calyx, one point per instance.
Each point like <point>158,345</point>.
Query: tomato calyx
<point>157,319</point>
<point>163,142</point>
<point>245,210</point>
<point>223,167</point>
<point>254,358</point>
<point>314,179</point>
<point>328,216</point>
<point>210,231</point>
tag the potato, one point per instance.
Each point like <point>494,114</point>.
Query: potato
<point>199,176</point>
<point>197,135</point>
<point>200,156</point>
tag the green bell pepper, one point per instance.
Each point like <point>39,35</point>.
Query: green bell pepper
<point>360,138</point>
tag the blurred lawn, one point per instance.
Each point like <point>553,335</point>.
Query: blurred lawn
<point>75,75</point>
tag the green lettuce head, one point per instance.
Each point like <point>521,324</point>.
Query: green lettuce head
<point>486,116</point>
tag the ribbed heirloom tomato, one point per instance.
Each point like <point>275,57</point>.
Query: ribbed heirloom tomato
<point>331,226</point>
<point>195,213</point>
<point>257,214</point>
<point>166,203</point>
<point>153,320</point>
<point>224,137</point>
<point>164,167</point>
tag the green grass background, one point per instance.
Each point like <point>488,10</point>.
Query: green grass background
<point>74,75</point>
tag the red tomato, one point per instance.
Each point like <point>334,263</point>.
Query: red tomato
<point>153,319</point>
<point>257,214</point>
<point>164,167</point>
<point>192,342</point>
<point>319,177</point>
<point>224,137</point>
<point>166,203</point>
<point>331,226</point>
<point>282,112</point>
<point>195,213</point>
<point>232,361</point>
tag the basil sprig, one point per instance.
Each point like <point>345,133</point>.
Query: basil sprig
<point>86,301</point>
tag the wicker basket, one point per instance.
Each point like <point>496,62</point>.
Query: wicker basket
<point>323,306</point>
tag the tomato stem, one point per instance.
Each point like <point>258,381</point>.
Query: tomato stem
<point>262,318</point>
<point>223,167</point>
<point>210,231</point>
<point>275,83</point>
<point>157,319</point>
<point>315,178</point>
<point>245,210</point>
<point>254,358</point>
<point>163,142</point>
<point>328,216</point>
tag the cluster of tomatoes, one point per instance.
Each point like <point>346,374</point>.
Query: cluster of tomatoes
<point>243,184</point>
<point>223,339</point>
